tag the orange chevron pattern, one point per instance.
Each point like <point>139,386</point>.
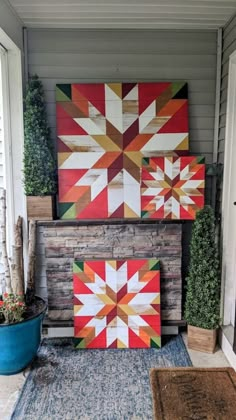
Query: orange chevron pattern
<point>117,303</point>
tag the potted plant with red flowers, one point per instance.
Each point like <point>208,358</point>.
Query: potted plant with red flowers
<point>21,313</point>
<point>12,308</point>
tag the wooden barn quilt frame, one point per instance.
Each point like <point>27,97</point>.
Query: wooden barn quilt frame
<point>117,303</point>
<point>104,131</point>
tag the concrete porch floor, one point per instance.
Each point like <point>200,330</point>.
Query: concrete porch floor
<point>10,386</point>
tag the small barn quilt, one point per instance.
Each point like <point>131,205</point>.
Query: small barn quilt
<point>117,304</point>
<point>104,130</point>
<point>172,187</point>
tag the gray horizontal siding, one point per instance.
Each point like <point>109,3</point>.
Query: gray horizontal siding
<point>123,60</point>
<point>164,42</point>
<point>117,71</point>
<point>66,56</point>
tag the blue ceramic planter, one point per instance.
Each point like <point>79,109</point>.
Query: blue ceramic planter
<point>19,343</point>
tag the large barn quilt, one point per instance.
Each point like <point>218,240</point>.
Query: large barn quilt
<point>104,131</point>
<point>172,187</point>
<point>117,304</point>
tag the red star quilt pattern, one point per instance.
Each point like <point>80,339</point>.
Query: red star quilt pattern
<point>172,187</point>
<point>104,130</point>
<point>117,304</point>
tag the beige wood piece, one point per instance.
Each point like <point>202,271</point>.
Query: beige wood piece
<point>3,214</point>
<point>17,265</point>
<point>40,208</point>
<point>201,339</point>
<point>31,257</point>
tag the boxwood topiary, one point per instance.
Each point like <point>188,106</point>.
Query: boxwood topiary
<point>39,160</point>
<point>202,307</point>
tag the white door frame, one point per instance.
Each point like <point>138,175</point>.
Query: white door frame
<point>229,231</point>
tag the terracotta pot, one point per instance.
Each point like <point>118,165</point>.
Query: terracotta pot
<point>201,339</point>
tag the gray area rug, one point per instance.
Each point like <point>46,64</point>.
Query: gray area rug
<point>68,384</point>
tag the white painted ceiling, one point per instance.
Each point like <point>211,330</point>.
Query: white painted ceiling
<point>150,14</point>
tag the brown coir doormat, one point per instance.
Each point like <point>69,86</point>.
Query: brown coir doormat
<point>193,393</point>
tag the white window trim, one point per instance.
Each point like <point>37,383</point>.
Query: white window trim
<point>7,146</point>
<point>14,138</point>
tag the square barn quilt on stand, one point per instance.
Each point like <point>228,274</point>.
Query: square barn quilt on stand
<point>117,303</point>
<point>104,130</point>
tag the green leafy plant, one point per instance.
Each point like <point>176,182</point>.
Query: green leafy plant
<point>39,161</point>
<point>202,308</point>
<point>12,308</point>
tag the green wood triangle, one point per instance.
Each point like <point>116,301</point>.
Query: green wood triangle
<point>145,161</point>
<point>176,86</point>
<point>156,342</point>
<point>79,343</point>
<point>200,159</point>
<point>154,265</point>
<point>63,207</point>
<point>144,214</point>
<point>179,90</point>
<point>63,93</point>
<point>70,213</point>
<point>78,267</point>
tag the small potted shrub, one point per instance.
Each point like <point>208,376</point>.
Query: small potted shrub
<point>39,161</point>
<point>21,313</point>
<point>202,308</point>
